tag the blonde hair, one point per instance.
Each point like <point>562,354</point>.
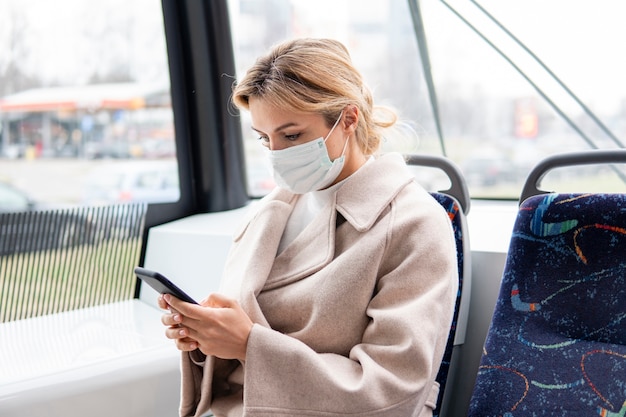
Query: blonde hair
<point>316,76</point>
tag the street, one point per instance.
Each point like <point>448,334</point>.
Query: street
<point>50,181</point>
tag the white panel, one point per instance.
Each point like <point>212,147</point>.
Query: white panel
<point>191,252</point>
<point>109,360</point>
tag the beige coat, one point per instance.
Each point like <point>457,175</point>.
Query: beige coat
<point>351,318</point>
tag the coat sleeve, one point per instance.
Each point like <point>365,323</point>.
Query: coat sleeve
<point>203,378</point>
<point>392,371</point>
<point>192,371</point>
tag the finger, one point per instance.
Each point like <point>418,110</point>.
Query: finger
<point>183,343</point>
<point>177,333</point>
<point>171,319</point>
<point>186,345</point>
<point>174,303</point>
<point>184,308</point>
<point>161,302</point>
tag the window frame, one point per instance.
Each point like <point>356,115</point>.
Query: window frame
<point>209,146</point>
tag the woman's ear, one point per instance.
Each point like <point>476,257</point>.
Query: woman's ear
<point>351,118</point>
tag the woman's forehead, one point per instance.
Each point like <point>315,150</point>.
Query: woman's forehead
<point>269,117</point>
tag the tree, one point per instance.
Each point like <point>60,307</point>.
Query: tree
<point>13,77</point>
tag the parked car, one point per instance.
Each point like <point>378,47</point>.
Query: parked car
<point>133,181</point>
<point>13,199</point>
<point>26,226</point>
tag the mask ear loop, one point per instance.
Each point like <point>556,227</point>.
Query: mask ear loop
<point>334,126</point>
<point>345,146</point>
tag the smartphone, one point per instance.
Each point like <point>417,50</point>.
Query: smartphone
<point>161,284</point>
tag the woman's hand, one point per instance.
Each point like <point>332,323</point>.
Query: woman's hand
<point>218,326</point>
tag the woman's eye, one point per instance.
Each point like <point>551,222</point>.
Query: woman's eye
<point>264,140</point>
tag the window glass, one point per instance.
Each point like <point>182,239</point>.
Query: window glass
<point>381,40</point>
<point>84,92</point>
<point>519,81</point>
<point>515,81</point>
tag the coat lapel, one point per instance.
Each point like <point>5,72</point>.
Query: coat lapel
<point>251,259</point>
<point>312,249</point>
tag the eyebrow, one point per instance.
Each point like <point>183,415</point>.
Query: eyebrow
<point>279,128</point>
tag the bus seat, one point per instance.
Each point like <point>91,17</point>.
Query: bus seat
<point>455,201</point>
<point>557,340</point>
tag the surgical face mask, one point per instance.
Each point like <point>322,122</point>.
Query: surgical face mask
<point>306,167</point>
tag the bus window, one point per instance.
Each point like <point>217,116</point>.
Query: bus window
<point>379,35</point>
<point>506,92</point>
<point>513,91</point>
<point>85,108</point>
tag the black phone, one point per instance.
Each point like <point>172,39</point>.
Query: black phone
<point>161,284</point>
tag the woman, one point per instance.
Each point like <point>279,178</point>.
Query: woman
<point>339,291</point>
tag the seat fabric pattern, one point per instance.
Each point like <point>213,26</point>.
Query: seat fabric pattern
<point>557,341</point>
<point>454,213</point>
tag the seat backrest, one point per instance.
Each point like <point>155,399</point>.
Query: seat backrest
<point>459,321</point>
<point>557,341</point>
<point>455,201</point>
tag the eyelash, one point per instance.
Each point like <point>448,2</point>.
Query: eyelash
<point>292,138</point>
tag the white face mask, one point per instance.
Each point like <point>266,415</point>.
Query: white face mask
<point>306,167</point>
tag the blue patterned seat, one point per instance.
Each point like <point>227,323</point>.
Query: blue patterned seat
<point>457,217</point>
<point>557,341</point>
<point>455,201</point>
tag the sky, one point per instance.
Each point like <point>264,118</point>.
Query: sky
<point>582,43</point>
<point>66,41</point>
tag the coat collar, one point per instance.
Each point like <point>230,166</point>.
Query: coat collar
<point>366,193</point>
<point>377,184</point>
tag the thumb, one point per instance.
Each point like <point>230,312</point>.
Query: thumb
<point>216,300</point>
